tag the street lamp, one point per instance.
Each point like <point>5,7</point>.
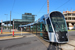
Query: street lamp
<point>6,18</point>
<point>10,21</point>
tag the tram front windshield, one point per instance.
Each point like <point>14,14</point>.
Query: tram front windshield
<point>59,23</point>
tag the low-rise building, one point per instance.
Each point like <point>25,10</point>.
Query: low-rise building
<point>70,18</point>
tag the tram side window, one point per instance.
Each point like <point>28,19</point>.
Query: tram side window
<point>49,25</point>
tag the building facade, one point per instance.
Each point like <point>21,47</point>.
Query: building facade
<point>26,19</point>
<point>70,18</point>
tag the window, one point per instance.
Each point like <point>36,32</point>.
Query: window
<point>58,22</point>
<point>73,14</point>
<point>49,25</point>
<point>65,14</point>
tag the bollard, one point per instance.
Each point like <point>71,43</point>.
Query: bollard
<point>13,33</point>
<point>1,31</point>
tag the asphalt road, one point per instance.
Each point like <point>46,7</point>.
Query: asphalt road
<point>30,43</point>
<point>71,35</point>
<point>26,43</point>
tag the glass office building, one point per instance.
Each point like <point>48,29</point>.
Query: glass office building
<point>28,17</point>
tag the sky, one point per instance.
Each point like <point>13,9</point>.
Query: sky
<point>36,7</point>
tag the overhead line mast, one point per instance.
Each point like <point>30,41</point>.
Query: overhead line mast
<point>47,6</point>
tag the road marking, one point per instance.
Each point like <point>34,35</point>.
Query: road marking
<point>30,35</point>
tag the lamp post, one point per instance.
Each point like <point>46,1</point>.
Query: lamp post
<point>10,21</point>
<point>6,18</point>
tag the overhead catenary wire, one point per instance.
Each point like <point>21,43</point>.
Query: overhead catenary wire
<point>63,4</point>
<point>13,5</point>
<point>42,7</point>
<point>10,17</point>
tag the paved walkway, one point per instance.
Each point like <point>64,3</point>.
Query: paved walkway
<point>12,32</point>
<point>8,35</point>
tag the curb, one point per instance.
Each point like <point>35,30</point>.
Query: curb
<point>11,38</point>
<point>42,41</point>
<point>14,33</point>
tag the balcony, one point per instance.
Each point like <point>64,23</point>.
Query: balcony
<point>70,16</point>
<point>71,21</point>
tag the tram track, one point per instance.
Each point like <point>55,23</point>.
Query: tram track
<point>56,46</point>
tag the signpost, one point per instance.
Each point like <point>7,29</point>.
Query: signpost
<point>21,31</point>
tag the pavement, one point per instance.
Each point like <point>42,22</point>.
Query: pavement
<point>12,32</point>
<point>8,35</point>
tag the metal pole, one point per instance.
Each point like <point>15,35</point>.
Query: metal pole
<point>13,25</point>
<point>10,21</point>
<point>36,29</point>
<point>21,31</point>
<point>6,19</point>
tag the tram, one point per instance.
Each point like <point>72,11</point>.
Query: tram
<point>52,26</point>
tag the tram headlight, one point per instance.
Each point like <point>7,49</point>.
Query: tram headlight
<point>66,34</point>
<point>57,36</point>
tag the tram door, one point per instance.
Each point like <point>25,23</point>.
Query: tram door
<point>45,34</point>
<point>48,27</point>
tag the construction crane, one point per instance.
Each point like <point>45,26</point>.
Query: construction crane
<point>47,6</point>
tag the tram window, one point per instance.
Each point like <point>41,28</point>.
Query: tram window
<point>58,22</point>
<point>49,25</point>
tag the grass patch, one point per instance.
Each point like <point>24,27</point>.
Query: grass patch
<point>71,30</point>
